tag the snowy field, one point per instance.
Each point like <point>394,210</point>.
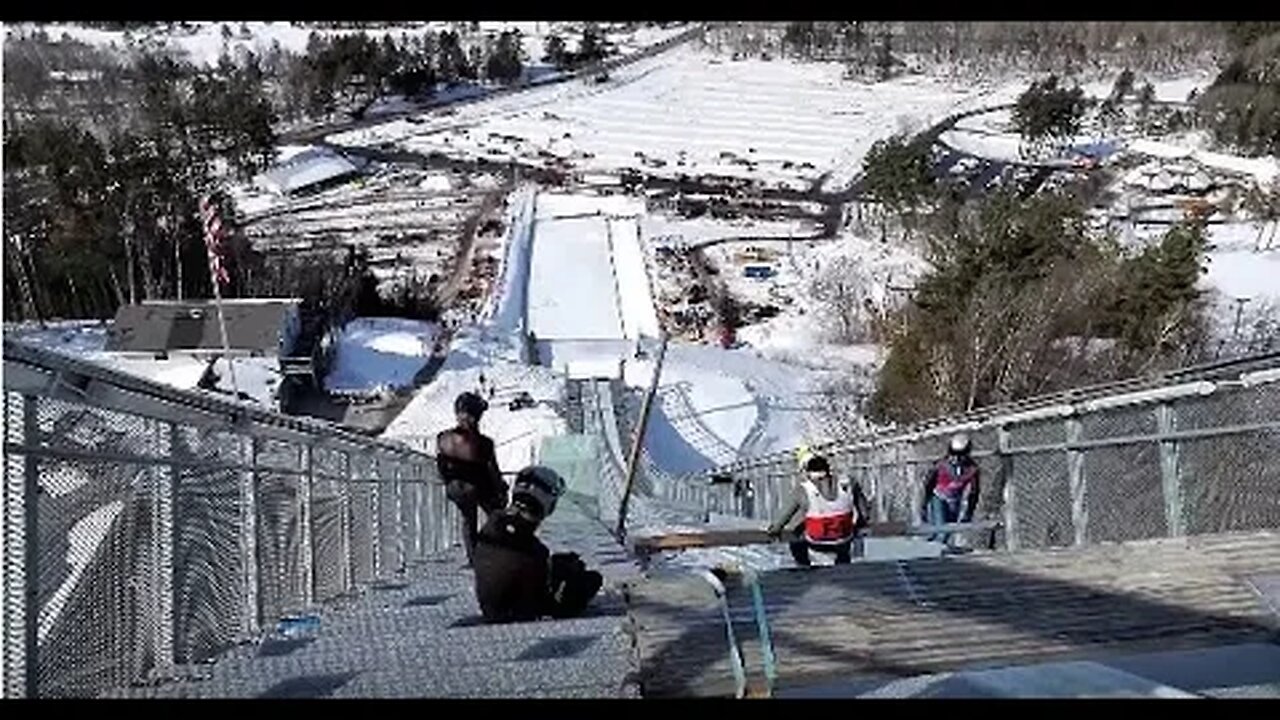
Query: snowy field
<point>376,354</point>
<point>804,333</point>
<point>691,112</point>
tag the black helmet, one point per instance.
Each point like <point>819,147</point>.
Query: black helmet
<point>537,488</point>
<point>469,403</point>
<point>817,463</point>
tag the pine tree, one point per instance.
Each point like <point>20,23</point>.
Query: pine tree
<point>452,61</point>
<point>503,64</point>
<point>1123,85</point>
<point>884,56</point>
<point>896,173</point>
<point>591,46</point>
<point>1046,111</point>
<point>555,51</point>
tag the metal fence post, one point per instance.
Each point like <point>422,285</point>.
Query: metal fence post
<point>429,533</point>
<point>915,490</point>
<point>398,489</point>
<point>305,533</point>
<point>375,519</point>
<point>344,524</point>
<point>164,481</point>
<point>1076,479</point>
<point>878,486</point>
<point>20,557</point>
<point>249,532</point>
<point>1166,424</point>
<point>1008,496</point>
<point>418,540</point>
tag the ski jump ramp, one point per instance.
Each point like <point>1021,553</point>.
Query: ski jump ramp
<point>589,299</point>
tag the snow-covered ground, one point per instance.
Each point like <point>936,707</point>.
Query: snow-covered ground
<point>804,331</point>
<point>588,290</point>
<point>78,338</point>
<point>1262,170</point>
<point>376,354</point>
<point>572,290</point>
<point>691,112</point>
<point>518,434</point>
<point>716,405</point>
<point>257,377</point>
<point>1243,282</point>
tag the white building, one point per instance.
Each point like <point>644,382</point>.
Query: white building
<point>310,170</point>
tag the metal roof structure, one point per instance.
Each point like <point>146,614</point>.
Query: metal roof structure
<point>256,325</point>
<point>307,169</point>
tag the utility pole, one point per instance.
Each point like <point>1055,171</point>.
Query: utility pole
<point>1235,330</point>
<point>638,442</point>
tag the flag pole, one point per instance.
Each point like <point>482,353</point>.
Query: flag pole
<point>226,346</point>
<point>212,230</point>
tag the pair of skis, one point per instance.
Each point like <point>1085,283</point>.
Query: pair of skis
<point>752,582</point>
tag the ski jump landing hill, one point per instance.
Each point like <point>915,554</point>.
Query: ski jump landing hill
<point>588,293</point>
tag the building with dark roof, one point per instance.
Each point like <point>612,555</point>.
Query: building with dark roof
<point>255,326</point>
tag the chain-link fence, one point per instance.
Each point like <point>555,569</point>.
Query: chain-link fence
<point>1183,457</point>
<point>147,529</point>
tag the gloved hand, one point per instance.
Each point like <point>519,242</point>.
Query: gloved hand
<point>566,563</point>
<point>774,533</point>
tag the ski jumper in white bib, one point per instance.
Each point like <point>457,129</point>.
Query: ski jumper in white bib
<point>828,522</point>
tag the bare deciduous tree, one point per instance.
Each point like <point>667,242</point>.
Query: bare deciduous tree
<point>845,293</point>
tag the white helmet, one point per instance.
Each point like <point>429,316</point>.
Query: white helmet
<point>537,488</point>
<point>960,444</point>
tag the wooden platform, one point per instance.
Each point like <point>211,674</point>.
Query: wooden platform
<point>644,546</point>
<point>899,619</point>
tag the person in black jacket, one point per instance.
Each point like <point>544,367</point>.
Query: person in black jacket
<point>517,578</point>
<point>469,467</point>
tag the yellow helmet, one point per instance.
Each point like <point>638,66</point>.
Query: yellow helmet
<point>803,454</point>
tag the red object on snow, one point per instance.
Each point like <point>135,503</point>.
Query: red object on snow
<point>727,337</point>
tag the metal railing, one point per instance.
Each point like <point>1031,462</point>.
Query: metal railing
<point>1157,457</point>
<point>147,529</point>
<point>602,409</point>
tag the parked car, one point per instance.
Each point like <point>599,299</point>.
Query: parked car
<point>521,401</point>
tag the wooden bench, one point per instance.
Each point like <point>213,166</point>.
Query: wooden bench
<point>647,545</point>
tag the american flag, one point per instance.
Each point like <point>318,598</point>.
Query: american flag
<point>213,235</point>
